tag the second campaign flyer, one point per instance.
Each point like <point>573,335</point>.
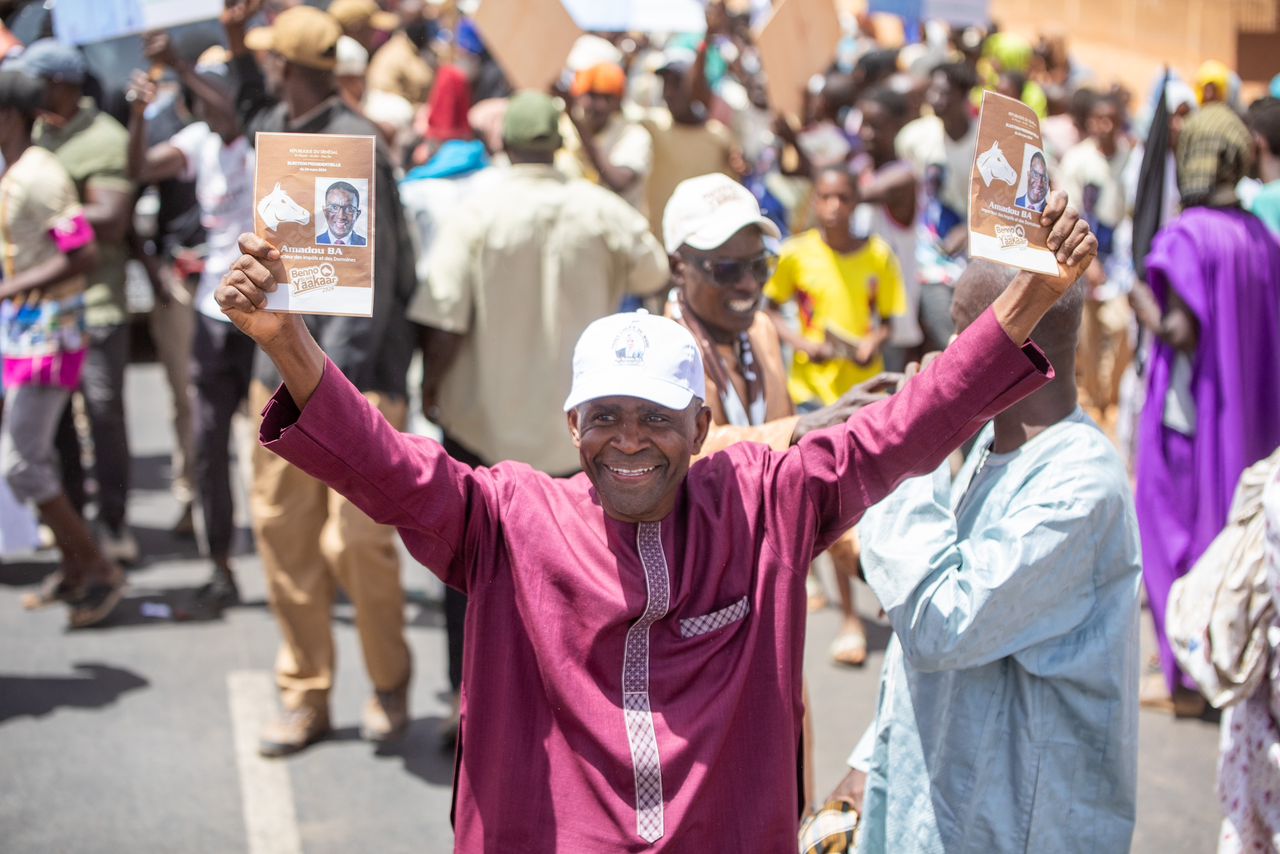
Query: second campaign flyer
<point>1009,188</point>
<point>313,197</point>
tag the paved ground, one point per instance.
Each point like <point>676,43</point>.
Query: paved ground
<point>138,737</point>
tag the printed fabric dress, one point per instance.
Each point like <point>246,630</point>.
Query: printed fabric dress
<point>1249,750</point>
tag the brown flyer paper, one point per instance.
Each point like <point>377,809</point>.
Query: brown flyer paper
<point>1009,188</point>
<point>313,200</point>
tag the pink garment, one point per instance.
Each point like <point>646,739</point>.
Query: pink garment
<point>62,370</point>
<point>637,687</point>
<point>72,233</point>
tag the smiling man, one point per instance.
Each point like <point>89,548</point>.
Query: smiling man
<point>632,679</point>
<point>341,210</point>
<point>1037,192</point>
<point>715,231</point>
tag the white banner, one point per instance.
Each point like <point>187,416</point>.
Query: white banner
<point>639,16</point>
<point>88,21</point>
<point>962,13</point>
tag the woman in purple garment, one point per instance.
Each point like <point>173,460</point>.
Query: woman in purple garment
<point>1213,396</point>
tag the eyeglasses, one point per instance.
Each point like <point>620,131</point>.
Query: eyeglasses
<point>727,272</point>
<point>334,210</point>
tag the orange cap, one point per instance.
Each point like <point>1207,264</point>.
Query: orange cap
<point>604,79</point>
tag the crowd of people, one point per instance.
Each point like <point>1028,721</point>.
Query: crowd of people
<point>731,307</point>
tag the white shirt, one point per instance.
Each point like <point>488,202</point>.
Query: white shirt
<point>924,142</point>
<point>224,190</point>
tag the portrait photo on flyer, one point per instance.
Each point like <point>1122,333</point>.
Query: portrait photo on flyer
<point>1009,188</point>
<point>313,202</point>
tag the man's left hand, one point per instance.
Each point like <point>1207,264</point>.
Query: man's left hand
<point>1070,239</point>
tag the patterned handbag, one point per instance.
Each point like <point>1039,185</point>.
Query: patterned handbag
<point>830,830</point>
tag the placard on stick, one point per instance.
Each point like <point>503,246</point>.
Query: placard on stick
<point>530,39</point>
<point>313,200</point>
<point>1009,188</point>
<point>798,41</point>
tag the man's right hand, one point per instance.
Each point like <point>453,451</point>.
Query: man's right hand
<point>141,92</point>
<point>852,789</point>
<point>242,296</point>
<point>238,13</point>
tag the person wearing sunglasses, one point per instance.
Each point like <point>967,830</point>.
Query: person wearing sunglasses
<point>716,233</point>
<point>716,236</point>
<point>847,290</point>
<point>341,211</point>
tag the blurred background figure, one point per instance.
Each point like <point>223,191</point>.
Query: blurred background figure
<point>1211,408</point>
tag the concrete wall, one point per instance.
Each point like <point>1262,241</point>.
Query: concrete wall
<point>1127,41</point>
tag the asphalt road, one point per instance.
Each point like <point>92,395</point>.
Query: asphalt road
<point>138,736</point>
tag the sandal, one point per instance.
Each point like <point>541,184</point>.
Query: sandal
<point>1184,703</point>
<point>850,648</point>
<point>54,589</point>
<point>817,596</point>
<point>98,599</point>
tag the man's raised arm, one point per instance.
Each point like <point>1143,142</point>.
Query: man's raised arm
<point>326,428</point>
<point>1031,295</point>
<point>990,367</point>
<point>242,296</point>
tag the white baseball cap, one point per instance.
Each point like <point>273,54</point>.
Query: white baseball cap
<point>637,354</point>
<point>353,59</point>
<point>706,211</point>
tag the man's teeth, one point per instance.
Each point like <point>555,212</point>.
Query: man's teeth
<point>742,304</point>
<point>621,472</point>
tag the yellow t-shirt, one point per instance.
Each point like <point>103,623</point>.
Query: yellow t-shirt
<point>848,293</point>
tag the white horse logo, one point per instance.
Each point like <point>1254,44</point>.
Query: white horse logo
<point>993,166</point>
<point>276,207</point>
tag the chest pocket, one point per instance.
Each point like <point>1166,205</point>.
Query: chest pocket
<point>694,626</point>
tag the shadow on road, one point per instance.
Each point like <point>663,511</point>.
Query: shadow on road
<point>421,754</point>
<point>26,573</point>
<point>97,685</point>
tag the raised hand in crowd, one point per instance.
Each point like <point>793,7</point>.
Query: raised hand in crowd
<point>235,20</point>
<point>1074,245</point>
<point>864,394</point>
<point>157,47</point>
<point>140,92</point>
<point>242,296</point>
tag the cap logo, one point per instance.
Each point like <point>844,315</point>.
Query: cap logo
<point>629,346</point>
<point>721,196</point>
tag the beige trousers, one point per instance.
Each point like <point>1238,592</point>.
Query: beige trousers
<point>173,328</point>
<point>1104,352</point>
<point>313,540</point>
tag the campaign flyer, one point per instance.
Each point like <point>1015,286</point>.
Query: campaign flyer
<point>313,200</point>
<point>1009,188</point>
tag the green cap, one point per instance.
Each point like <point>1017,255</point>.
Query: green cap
<point>532,122</point>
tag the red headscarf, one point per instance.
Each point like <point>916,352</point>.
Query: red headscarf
<point>450,101</point>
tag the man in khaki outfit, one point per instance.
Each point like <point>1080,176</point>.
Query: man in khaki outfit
<point>311,539</point>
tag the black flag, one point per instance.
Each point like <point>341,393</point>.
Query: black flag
<point>1149,203</point>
